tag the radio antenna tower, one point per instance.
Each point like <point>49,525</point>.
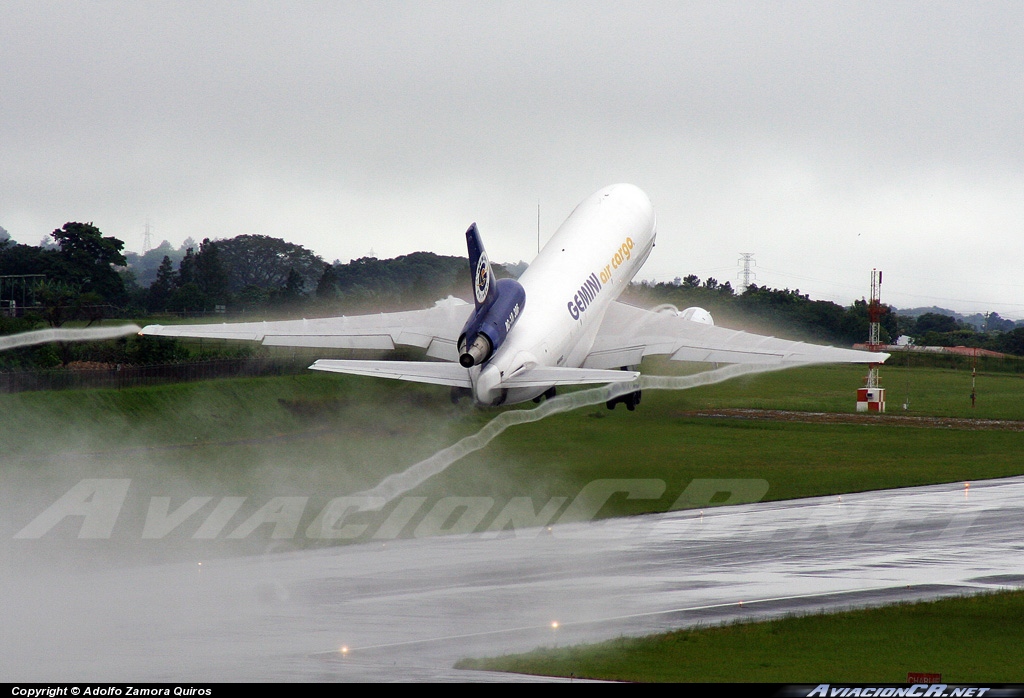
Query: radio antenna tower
<point>747,258</point>
<point>147,240</point>
<point>875,311</point>
<point>871,398</point>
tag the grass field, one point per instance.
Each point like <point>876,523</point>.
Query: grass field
<point>967,640</point>
<point>327,436</point>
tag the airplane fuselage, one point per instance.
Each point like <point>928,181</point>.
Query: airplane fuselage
<point>585,265</point>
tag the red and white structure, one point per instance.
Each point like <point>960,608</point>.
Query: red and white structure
<point>871,399</point>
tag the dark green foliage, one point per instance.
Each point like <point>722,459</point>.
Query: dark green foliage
<point>26,259</point>
<point>994,323</point>
<point>252,298</point>
<point>327,287</point>
<point>188,298</point>
<point>410,281</point>
<point>1012,342</point>
<point>210,275</point>
<point>26,357</point>
<point>292,292</point>
<point>161,289</point>
<point>87,259</point>
<point>939,330</point>
<point>60,301</point>
<point>152,350</point>
<point>80,282</point>
<point>768,310</point>
<point>934,322</point>
<point>265,262</point>
<point>187,268</point>
<point>199,285</point>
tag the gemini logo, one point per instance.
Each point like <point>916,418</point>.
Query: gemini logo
<point>584,297</point>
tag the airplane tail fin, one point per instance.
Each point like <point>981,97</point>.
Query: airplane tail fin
<point>485,290</point>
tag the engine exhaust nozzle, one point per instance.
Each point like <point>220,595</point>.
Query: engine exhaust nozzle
<point>477,353</point>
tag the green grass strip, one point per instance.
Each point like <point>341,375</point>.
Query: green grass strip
<point>977,639</point>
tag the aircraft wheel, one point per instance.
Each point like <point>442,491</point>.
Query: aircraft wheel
<point>631,400</point>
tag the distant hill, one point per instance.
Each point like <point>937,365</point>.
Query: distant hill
<point>979,321</point>
<point>917,312</point>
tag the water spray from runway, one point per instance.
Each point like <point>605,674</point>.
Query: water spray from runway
<point>400,483</point>
<point>87,334</point>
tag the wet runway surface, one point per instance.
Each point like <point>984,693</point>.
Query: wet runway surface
<point>407,610</point>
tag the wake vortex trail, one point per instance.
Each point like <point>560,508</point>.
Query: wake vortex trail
<point>26,339</point>
<point>394,485</point>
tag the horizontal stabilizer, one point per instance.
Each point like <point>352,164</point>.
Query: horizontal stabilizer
<point>553,375</point>
<point>437,373</point>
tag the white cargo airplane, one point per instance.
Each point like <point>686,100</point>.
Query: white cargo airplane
<point>559,324</point>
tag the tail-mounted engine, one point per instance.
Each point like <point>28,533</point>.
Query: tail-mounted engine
<point>488,326</point>
<point>498,305</point>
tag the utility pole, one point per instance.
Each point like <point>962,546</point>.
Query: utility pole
<point>747,259</point>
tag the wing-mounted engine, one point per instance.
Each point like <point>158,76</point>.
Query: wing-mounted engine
<point>498,305</point>
<point>697,315</point>
<point>693,313</point>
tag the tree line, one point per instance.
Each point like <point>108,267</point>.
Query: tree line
<point>940,330</point>
<point>83,275</point>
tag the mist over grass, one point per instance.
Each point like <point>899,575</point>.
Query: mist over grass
<point>321,437</point>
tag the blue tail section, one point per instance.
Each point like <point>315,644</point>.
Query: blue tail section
<point>498,305</point>
<point>485,290</point>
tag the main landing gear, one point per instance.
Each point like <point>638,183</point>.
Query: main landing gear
<point>547,395</point>
<point>458,393</point>
<point>630,400</point>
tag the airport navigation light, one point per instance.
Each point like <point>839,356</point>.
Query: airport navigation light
<point>554,625</point>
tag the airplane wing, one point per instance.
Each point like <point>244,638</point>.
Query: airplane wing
<point>435,329</point>
<point>627,334</point>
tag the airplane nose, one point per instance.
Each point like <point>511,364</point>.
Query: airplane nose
<point>634,196</point>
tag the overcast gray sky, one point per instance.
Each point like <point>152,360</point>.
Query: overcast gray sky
<point>828,138</point>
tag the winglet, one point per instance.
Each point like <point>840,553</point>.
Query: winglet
<point>485,290</point>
